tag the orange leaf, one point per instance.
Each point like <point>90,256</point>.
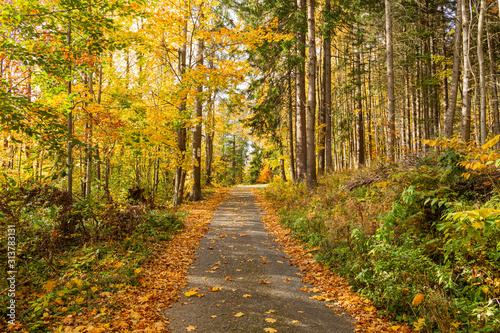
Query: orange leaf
<point>417,299</point>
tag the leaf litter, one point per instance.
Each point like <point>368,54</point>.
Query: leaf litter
<point>139,309</point>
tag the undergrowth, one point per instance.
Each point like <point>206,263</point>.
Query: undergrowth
<point>72,256</point>
<point>422,242</point>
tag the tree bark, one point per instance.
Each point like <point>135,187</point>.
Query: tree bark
<point>290,129</point>
<point>327,99</point>
<point>493,87</point>
<point>390,80</point>
<point>482,79</point>
<point>360,120</point>
<point>301,145</point>
<point>311,98</point>
<point>196,192</point>
<point>69,160</point>
<point>180,174</point>
<point>465,74</point>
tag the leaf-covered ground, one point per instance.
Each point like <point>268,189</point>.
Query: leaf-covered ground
<point>134,308</point>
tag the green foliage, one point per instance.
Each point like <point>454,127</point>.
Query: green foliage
<point>416,232</point>
<point>255,164</point>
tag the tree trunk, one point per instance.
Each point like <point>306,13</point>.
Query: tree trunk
<point>493,87</point>
<point>311,98</point>
<point>69,160</point>
<point>180,174</point>
<point>301,147</point>
<point>196,192</point>
<point>209,139</point>
<point>390,80</point>
<point>360,120</point>
<point>482,79</point>
<point>327,99</point>
<point>320,135</point>
<point>290,129</point>
<point>465,74</point>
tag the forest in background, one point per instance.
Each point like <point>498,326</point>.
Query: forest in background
<point>103,97</point>
<point>111,111</point>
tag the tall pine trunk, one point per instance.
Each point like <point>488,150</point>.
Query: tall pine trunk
<point>311,98</point>
<point>482,79</point>
<point>301,145</point>
<point>466,72</point>
<point>327,81</point>
<point>390,80</point>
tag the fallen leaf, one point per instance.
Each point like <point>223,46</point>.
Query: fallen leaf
<point>49,286</point>
<point>228,278</point>
<point>215,288</point>
<point>287,279</point>
<point>191,328</point>
<point>190,293</point>
<point>270,320</point>
<point>263,282</point>
<point>270,311</point>
<point>417,299</point>
<point>213,316</point>
<point>239,314</point>
<point>247,295</point>
<point>270,330</point>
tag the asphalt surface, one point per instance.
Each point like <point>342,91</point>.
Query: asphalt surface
<point>259,289</point>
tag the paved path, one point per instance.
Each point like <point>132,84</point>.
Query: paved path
<point>256,279</point>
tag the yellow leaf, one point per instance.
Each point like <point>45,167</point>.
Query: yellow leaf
<point>270,320</point>
<point>247,295</point>
<point>239,314</point>
<point>419,324</point>
<point>213,316</point>
<point>456,325</point>
<point>369,309</point>
<point>477,225</point>
<point>190,293</point>
<point>191,328</point>
<point>395,328</point>
<point>49,286</point>
<point>417,299</point>
<point>79,299</point>
<point>270,311</point>
<point>491,142</point>
<point>270,330</point>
